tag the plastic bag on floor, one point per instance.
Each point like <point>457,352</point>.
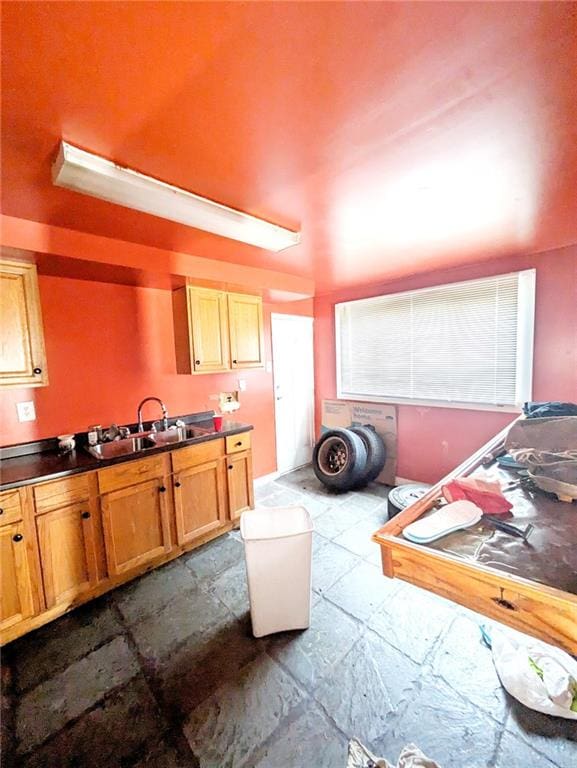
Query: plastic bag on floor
<point>410,757</point>
<point>540,676</point>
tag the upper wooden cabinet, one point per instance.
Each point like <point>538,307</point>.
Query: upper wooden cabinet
<point>246,331</point>
<point>216,331</point>
<point>22,356</point>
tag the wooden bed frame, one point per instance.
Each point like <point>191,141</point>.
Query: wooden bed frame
<point>544,612</point>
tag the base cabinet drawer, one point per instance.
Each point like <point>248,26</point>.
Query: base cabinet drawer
<point>10,507</point>
<point>66,541</point>
<point>195,455</point>
<point>130,473</point>
<point>136,526</point>
<point>61,493</point>
<point>16,601</point>
<point>238,443</point>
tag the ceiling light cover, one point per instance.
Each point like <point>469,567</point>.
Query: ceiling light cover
<point>92,175</point>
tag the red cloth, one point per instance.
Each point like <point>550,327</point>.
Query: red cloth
<point>486,495</point>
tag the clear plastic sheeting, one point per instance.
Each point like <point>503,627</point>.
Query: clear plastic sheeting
<point>549,556</point>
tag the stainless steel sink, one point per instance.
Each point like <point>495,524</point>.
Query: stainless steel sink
<point>122,447</point>
<point>144,442</point>
<point>178,435</point>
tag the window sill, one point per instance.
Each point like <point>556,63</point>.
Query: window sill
<point>516,409</point>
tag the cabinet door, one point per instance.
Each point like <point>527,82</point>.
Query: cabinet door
<point>240,489</point>
<point>209,321</point>
<point>16,603</point>
<point>67,553</point>
<point>246,331</point>
<point>22,357</point>
<point>135,525</point>
<point>200,500</point>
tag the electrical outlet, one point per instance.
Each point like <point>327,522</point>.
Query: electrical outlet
<point>26,411</point>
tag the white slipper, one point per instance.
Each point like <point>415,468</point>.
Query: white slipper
<point>451,517</point>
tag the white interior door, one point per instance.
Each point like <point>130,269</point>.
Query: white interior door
<point>293,367</point>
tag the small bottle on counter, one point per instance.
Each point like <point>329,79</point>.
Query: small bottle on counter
<point>94,434</point>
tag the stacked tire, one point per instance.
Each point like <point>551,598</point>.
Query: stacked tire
<point>348,459</point>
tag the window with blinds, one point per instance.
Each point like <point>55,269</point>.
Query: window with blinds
<point>466,344</point>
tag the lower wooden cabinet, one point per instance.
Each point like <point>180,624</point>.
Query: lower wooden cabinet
<point>136,526</point>
<point>67,547</point>
<point>239,482</point>
<point>65,541</point>
<point>199,500</point>
<point>16,601</point>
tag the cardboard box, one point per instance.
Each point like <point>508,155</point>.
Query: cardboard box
<point>349,413</point>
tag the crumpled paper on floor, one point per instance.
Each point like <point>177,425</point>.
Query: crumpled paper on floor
<point>410,757</point>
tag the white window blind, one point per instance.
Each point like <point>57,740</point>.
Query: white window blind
<point>468,343</point>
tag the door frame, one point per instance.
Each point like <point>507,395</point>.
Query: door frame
<point>273,316</point>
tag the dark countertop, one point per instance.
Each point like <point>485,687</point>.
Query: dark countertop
<point>50,465</point>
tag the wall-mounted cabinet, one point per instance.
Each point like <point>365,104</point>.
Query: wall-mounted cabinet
<point>245,329</point>
<point>217,331</point>
<point>22,356</point>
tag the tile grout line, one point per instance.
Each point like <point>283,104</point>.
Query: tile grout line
<point>173,729</point>
<point>70,723</point>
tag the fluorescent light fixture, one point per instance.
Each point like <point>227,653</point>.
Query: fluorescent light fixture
<point>93,175</point>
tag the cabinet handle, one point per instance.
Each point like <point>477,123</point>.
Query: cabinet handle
<point>85,515</point>
<point>162,489</point>
<point>37,371</point>
<point>231,466</point>
<point>197,362</point>
<point>235,361</point>
<point>1,511</point>
<point>177,484</point>
<point>17,537</point>
<point>238,444</point>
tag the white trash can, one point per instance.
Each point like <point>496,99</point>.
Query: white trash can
<point>278,553</point>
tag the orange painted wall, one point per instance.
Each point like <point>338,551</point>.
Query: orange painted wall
<point>108,346</point>
<point>432,441</point>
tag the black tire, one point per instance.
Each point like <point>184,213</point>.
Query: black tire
<point>339,459</point>
<point>376,452</point>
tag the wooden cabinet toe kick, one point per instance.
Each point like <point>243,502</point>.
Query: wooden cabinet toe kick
<point>535,609</point>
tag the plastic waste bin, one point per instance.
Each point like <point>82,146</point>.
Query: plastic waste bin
<point>278,553</point>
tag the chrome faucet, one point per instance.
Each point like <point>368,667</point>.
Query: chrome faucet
<point>164,413</point>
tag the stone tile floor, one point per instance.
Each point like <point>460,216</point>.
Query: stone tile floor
<point>164,673</point>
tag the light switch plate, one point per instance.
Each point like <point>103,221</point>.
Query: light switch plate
<point>242,385</point>
<point>26,411</point>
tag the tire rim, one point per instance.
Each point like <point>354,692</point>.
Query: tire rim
<point>333,456</point>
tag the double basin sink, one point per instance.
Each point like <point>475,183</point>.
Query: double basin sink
<point>145,441</point>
